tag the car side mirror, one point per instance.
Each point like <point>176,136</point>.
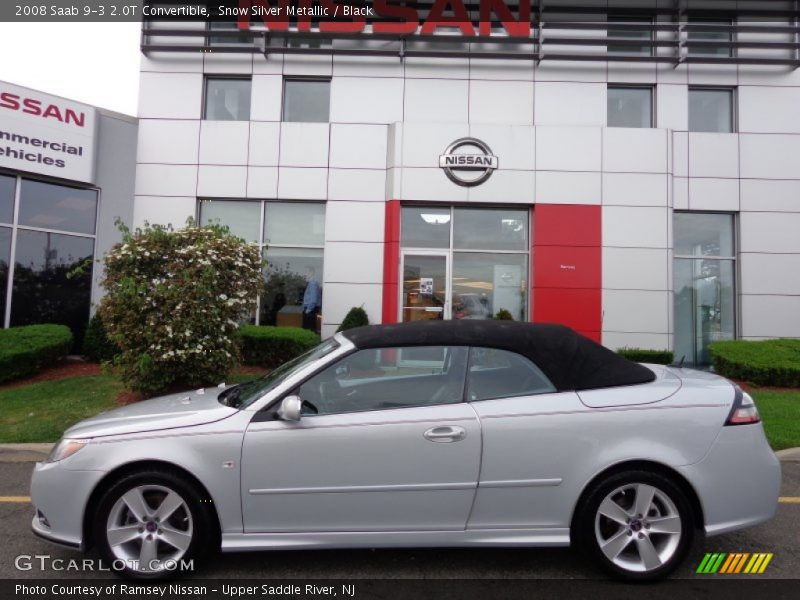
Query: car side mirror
<point>290,408</point>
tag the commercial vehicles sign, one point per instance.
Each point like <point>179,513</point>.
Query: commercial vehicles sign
<point>46,134</point>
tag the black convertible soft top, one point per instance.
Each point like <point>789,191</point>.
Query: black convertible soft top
<point>570,360</point>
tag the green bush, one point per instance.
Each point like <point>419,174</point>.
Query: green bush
<point>355,317</point>
<point>26,350</point>
<point>174,301</point>
<point>767,362</point>
<point>96,345</point>
<point>270,347</point>
<point>658,357</point>
<point>503,315</point>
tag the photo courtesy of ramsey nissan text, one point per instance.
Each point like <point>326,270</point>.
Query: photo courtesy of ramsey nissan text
<point>399,298</point>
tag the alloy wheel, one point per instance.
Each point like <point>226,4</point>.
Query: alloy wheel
<point>638,527</point>
<point>149,527</point>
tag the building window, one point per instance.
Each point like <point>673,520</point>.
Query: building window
<point>630,106</point>
<point>42,240</point>
<point>291,236</point>
<point>227,40</point>
<point>464,262</point>
<point>630,28</point>
<point>227,99</point>
<point>717,35</point>
<point>306,100</point>
<point>704,283</point>
<point>711,109</point>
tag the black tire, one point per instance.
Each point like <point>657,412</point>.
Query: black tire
<point>155,484</point>
<point>589,529</point>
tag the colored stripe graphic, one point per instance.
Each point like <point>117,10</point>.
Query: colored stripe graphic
<point>734,562</point>
<point>711,562</point>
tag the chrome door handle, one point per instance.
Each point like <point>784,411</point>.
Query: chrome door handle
<point>445,434</point>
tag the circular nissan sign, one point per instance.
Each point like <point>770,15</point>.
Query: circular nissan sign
<point>465,168</point>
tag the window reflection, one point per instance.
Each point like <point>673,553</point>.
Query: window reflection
<point>490,229</point>
<point>5,258</point>
<point>705,306</point>
<point>711,110</point>
<point>49,206</point>
<point>484,284</point>
<point>7,187</point>
<point>227,99</point>
<point>45,289</point>
<point>700,234</point>
<point>425,227</point>
<point>630,107</point>
<point>306,100</point>
<point>295,223</point>
<point>293,293</point>
<point>240,217</point>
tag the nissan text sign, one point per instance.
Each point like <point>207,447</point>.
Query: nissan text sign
<point>46,134</point>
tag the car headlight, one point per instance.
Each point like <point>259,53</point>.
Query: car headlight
<point>65,448</point>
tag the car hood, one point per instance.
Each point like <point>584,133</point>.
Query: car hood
<point>176,410</point>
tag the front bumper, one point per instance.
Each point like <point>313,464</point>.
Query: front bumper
<point>61,495</point>
<point>738,481</point>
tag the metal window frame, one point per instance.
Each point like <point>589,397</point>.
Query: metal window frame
<point>734,260</point>
<point>15,227</point>
<point>214,76</point>
<point>304,78</point>
<point>450,251</point>
<point>262,243</point>
<point>733,90</point>
<point>636,86</point>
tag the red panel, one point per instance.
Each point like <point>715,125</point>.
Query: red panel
<point>567,266</point>
<point>391,261</point>
<point>578,309</point>
<point>566,225</point>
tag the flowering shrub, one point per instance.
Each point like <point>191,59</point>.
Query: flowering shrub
<point>173,303</point>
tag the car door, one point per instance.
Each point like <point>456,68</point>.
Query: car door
<point>386,443</point>
<point>533,439</point>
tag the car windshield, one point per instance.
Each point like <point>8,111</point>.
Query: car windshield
<point>244,394</point>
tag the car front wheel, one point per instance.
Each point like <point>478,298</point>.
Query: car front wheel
<point>636,525</point>
<point>150,525</point>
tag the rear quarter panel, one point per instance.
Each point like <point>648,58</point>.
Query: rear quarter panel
<point>540,452</point>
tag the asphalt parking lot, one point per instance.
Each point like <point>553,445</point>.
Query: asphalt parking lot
<point>779,536</point>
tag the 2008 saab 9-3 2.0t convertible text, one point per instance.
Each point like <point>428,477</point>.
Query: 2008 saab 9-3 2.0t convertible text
<point>446,433</point>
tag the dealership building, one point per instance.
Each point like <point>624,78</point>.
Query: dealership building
<point>634,174</point>
<point>66,175</point>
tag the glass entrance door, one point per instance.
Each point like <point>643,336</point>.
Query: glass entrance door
<point>426,286</point>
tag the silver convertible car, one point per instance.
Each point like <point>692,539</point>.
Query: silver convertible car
<point>446,433</point>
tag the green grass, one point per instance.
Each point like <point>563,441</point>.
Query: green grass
<point>780,412</point>
<point>40,412</point>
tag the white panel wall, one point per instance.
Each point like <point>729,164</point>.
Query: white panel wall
<point>569,103</point>
<point>390,121</point>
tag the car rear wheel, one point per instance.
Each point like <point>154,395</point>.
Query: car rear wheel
<point>149,524</point>
<point>636,525</point>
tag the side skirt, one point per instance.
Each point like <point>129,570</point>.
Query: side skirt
<point>238,542</point>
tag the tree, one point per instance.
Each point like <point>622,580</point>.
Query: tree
<point>174,300</point>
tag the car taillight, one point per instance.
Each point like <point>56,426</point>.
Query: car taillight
<point>744,411</point>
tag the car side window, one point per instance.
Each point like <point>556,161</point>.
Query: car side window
<point>495,373</point>
<point>387,378</point>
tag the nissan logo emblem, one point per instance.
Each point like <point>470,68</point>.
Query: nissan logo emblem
<point>457,165</point>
